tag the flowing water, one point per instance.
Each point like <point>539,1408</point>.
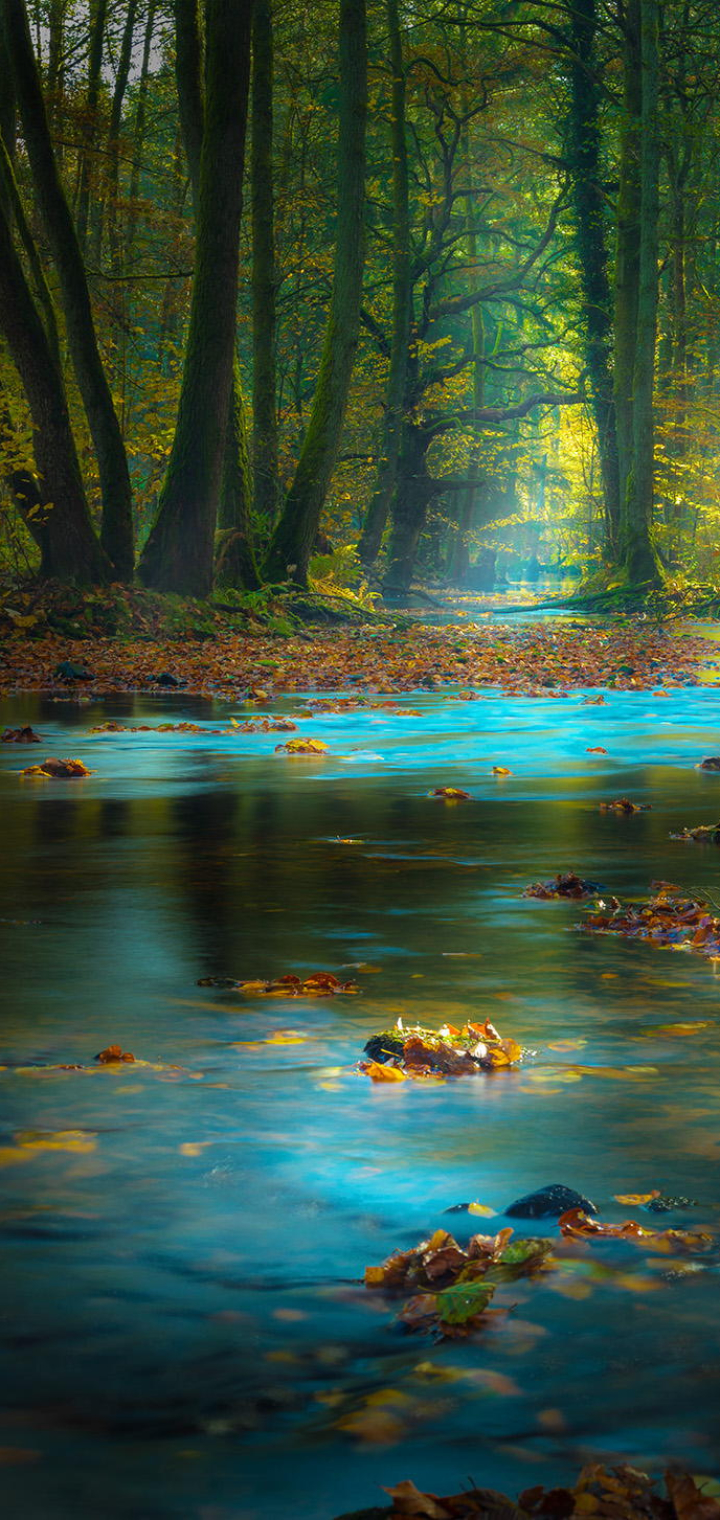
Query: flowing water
<point>184,1330</point>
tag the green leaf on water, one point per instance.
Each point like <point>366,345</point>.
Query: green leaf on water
<point>463,1302</point>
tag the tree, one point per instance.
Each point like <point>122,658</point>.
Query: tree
<point>179,553</point>
<point>293,539</point>
<point>60,520</point>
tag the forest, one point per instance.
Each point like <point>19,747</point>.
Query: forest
<point>425,292</point>
<point>359,674</point>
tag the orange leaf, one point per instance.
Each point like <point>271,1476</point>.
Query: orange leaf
<point>379,1072</point>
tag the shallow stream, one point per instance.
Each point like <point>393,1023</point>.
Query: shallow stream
<point>184,1331</point>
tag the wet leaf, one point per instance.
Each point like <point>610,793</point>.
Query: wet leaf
<point>688,1500</point>
<point>408,1500</point>
<point>318,984</point>
<point>448,1052</point>
<point>596,749</point>
<point>624,805</point>
<point>24,735</point>
<point>54,767</point>
<point>450,794</point>
<point>114,1053</point>
<point>500,770</point>
<point>565,884</point>
<point>301,747</point>
<point>382,1071</point>
<point>635,1199</point>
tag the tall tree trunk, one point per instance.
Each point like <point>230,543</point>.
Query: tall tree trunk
<point>264,275</point>
<point>107,207</point>
<point>69,548</point>
<point>87,177</point>
<point>295,533</point>
<point>459,562</point>
<point>637,554</point>
<point>377,515</point>
<point>178,555</point>
<point>412,497</point>
<point>583,153</point>
<point>627,256</point>
<point>117,531</point>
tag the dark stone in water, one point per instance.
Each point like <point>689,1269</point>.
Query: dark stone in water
<point>380,1046</point>
<point>664,1205</point>
<point>69,672</point>
<point>166,678</point>
<point>549,1203</point>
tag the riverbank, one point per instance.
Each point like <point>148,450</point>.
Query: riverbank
<point>534,660</point>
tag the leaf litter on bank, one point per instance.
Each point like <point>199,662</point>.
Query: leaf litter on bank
<point>533,661</point>
<point>416,1052</point>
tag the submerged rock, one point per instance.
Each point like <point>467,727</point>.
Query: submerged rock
<point>663,1205</point>
<point>549,1203</point>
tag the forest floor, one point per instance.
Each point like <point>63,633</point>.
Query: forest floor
<point>545,660</point>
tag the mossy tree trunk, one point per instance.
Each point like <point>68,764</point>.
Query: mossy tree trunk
<point>61,525</point>
<point>235,560</point>
<point>395,397</point>
<point>637,295</point>
<point>179,553</point>
<point>117,529</point>
<point>264,274</point>
<point>293,539</point>
<point>583,146</point>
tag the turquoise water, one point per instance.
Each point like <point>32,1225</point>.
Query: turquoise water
<point>184,1333</point>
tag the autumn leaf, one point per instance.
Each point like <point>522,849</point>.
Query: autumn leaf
<point>450,794</point>
<point>635,1199</point>
<point>500,770</point>
<point>54,767</point>
<point>114,1053</point>
<point>596,749</point>
<point>380,1071</point>
<point>24,735</point>
<point>408,1500</point>
<point>301,747</point>
<point>688,1500</point>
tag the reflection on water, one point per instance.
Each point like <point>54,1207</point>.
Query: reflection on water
<point>183,1331</point>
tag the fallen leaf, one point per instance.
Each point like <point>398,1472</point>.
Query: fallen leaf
<point>54,767</point>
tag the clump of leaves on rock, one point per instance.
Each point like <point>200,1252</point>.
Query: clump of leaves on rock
<point>680,922</point>
<point>452,1287</point>
<point>565,884</point>
<point>417,1052</point>
<point>616,1493</point>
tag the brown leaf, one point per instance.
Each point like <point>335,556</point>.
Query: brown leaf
<point>24,735</point>
<point>54,767</point>
<point>114,1053</point>
<point>408,1500</point>
<point>688,1500</point>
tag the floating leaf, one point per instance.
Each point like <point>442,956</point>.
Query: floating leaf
<point>54,767</point>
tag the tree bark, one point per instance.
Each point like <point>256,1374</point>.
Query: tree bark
<point>637,555</point>
<point>583,153</point>
<point>87,177</point>
<point>178,555</point>
<point>395,397</point>
<point>117,530</point>
<point>294,536</point>
<point>264,275</point>
<point>69,548</point>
